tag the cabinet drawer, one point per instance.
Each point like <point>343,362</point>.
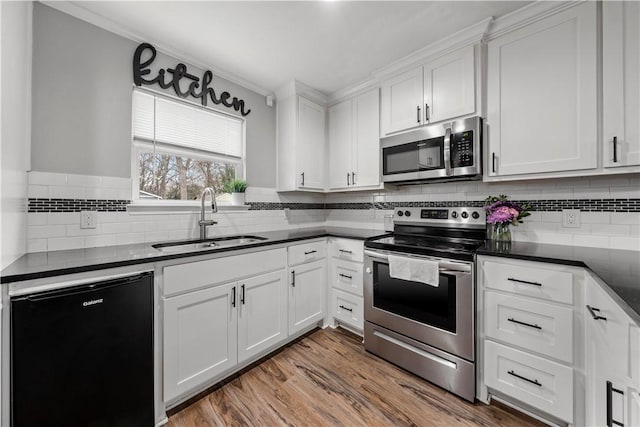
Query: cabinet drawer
<point>307,252</point>
<point>194,275</point>
<point>351,250</point>
<point>534,325</point>
<point>347,276</point>
<point>530,279</point>
<point>538,382</point>
<point>347,308</point>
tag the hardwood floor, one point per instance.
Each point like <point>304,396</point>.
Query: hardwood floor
<point>328,379</point>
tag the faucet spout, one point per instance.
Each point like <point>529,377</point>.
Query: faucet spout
<point>214,208</point>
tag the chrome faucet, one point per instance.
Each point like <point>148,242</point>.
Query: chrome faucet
<point>214,208</point>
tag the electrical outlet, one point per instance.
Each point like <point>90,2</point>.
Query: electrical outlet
<point>88,219</point>
<point>571,218</point>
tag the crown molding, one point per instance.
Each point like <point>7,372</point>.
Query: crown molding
<point>353,90</point>
<point>77,11</point>
<point>527,15</point>
<point>295,87</point>
<point>465,37</point>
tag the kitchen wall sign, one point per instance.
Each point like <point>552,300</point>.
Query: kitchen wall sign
<point>196,90</point>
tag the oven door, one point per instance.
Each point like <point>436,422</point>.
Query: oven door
<point>440,316</point>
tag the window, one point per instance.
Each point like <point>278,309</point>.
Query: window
<point>179,149</point>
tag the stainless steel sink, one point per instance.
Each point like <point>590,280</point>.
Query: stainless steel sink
<point>199,245</point>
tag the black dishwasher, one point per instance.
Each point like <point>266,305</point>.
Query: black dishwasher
<point>83,356</point>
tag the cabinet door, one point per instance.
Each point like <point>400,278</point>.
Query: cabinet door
<point>366,140</point>
<point>607,356</point>
<point>621,83</point>
<point>402,98</point>
<point>449,86</point>
<point>262,313</point>
<point>310,145</point>
<point>340,134</point>
<point>542,95</point>
<point>200,338</point>
<point>307,295</point>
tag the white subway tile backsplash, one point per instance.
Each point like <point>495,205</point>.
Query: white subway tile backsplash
<point>97,241</point>
<point>46,231</point>
<point>115,182</point>
<point>632,218</point>
<point>36,245</point>
<point>62,243</point>
<point>75,230</point>
<point>116,227</point>
<point>84,180</point>
<point>66,192</point>
<point>591,241</point>
<point>129,238</point>
<point>46,178</point>
<point>610,230</point>
<point>626,243</point>
<point>36,219</point>
<point>37,191</point>
<point>596,217</point>
<point>64,218</point>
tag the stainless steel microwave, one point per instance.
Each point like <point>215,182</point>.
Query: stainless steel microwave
<point>449,151</point>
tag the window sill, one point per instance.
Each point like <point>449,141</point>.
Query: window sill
<point>169,207</point>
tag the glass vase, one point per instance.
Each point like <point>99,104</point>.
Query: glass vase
<point>501,232</point>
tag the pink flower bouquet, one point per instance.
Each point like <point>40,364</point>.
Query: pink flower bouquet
<point>501,211</point>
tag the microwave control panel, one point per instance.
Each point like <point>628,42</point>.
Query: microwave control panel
<point>462,149</point>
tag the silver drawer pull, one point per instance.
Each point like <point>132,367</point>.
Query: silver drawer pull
<point>524,378</point>
<point>345,251</point>
<point>346,308</point>
<point>524,323</point>
<point>526,282</point>
<point>344,275</point>
<point>310,252</point>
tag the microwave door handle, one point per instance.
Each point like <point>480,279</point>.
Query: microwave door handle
<point>447,151</point>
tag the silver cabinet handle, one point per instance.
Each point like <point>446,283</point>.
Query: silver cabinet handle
<point>242,294</point>
<point>348,179</point>
<point>493,162</point>
<point>310,252</point>
<point>426,112</point>
<point>353,178</point>
<point>233,296</point>
<point>345,276</point>
<point>610,391</point>
<point>615,149</point>
<point>447,151</point>
<point>345,251</point>
<point>346,308</point>
<point>302,179</point>
<point>293,278</point>
<point>418,113</point>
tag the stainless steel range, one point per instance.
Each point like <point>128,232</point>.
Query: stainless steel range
<point>425,324</point>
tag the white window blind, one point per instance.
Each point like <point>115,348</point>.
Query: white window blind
<point>169,122</point>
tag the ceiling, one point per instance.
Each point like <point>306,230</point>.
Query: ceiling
<point>328,45</point>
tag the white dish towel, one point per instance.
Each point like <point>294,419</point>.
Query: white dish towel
<point>414,270</point>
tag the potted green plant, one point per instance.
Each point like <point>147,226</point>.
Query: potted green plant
<point>237,187</point>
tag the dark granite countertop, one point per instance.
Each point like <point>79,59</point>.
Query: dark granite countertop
<point>619,269</point>
<point>55,263</point>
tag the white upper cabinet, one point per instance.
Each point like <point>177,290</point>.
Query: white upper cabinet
<point>366,140</point>
<point>311,141</point>
<point>621,83</point>
<point>449,86</point>
<point>340,145</point>
<point>542,95</point>
<point>354,143</point>
<point>300,140</point>
<point>442,89</point>
<point>402,97</point>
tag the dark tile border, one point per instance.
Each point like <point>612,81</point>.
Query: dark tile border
<point>587,205</point>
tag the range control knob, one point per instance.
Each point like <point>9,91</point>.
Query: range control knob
<point>400,213</point>
<point>464,215</point>
<point>475,215</point>
<point>454,214</point>
<point>407,213</point>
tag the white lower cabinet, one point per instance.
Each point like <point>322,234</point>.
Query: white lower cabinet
<point>262,313</point>
<point>346,283</point>
<point>528,337</point>
<point>613,361</point>
<point>534,380</point>
<point>306,295</point>
<point>200,338</point>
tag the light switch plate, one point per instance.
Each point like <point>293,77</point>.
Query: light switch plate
<point>88,219</point>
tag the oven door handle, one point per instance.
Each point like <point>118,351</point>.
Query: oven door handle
<point>445,266</point>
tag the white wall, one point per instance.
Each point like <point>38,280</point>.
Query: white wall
<point>15,92</point>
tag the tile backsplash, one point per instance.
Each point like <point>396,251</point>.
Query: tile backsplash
<point>610,211</point>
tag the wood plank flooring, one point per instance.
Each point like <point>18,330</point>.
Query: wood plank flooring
<point>328,379</point>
